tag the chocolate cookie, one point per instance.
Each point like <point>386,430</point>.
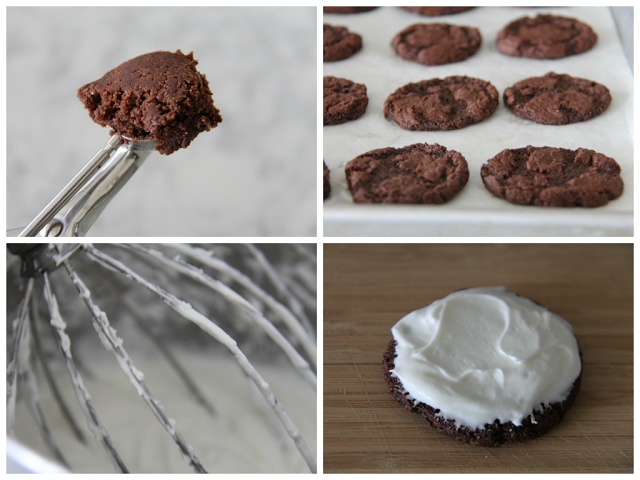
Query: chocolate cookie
<point>158,96</point>
<point>437,11</point>
<point>484,365</point>
<point>325,181</point>
<point>557,99</point>
<point>339,43</point>
<point>342,100</point>
<point>441,104</point>
<point>347,9</point>
<point>436,43</point>
<point>493,434</point>
<point>553,177</point>
<point>546,36</point>
<point>420,173</point>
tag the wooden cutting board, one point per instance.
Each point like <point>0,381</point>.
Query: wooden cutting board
<point>369,287</point>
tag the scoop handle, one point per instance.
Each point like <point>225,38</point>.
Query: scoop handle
<point>75,209</point>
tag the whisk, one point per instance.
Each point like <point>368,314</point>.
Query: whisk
<point>256,303</point>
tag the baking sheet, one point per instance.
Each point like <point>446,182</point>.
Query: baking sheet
<point>474,211</point>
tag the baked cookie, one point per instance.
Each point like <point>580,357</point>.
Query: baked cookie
<point>420,173</point>
<point>158,96</point>
<point>485,366</point>
<point>546,36</point>
<point>347,9</point>
<point>436,43</point>
<point>437,11</point>
<point>557,99</point>
<point>342,100</point>
<point>553,177</point>
<point>441,104</point>
<point>339,43</point>
<point>325,181</point>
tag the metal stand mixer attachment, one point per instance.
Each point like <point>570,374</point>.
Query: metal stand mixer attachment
<point>75,209</point>
<point>293,337</point>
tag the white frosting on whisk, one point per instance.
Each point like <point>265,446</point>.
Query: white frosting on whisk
<point>234,298</point>
<point>243,437</point>
<point>270,412</point>
<point>208,259</point>
<point>84,398</point>
<point>188,312</point>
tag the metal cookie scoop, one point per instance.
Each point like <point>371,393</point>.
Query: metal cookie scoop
<point>75,209</point>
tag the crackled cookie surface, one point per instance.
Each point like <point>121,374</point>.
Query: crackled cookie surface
<point>546,36</point>
<point>441,104</point>
<point>420,173</point>
<point>557,99</point>
<point>436,43</point>
<point>553,177</point>
<point>338,43</point>
<point>342,100</point>
<point>437,11</point>
<point>326,184</point>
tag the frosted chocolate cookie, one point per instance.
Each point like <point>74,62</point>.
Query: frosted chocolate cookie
<point>553,177</point>
<point>342,100</point>
<point>557,99</point>
<point>158,96</point>
<point>347,10</point>
<point>437,11</point>
<point>420,173</point>
<point>441,104</point>
<point>436,43</point>
<point>325,181</point>
<point>546,36</point>
<point>339,43</point>
<point>485,366</point>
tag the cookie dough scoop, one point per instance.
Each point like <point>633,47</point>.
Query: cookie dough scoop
<point>157,101</point>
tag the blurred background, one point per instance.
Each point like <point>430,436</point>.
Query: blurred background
<point>253,175</point>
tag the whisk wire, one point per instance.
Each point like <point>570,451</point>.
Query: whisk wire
<point>188,312</point>
<point>272,274</point>
<point>66,413</point>
<point>36,412</point>
<point>84,398</point>
<point>292,323</point>
<point>111,340</point>
<point>164,350</point>
<point>296,359</point>
<point>12,367</point>
<point>289,314</point>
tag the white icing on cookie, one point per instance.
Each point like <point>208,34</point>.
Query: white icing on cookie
<point>485,353</point>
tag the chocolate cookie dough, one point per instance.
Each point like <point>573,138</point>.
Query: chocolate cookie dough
<point>339,43</point>
<point>553,177</point>
<point>325,181</point>
<point>437,11</point>
<point>343,100</point>
<point>158,96</point>
<point>546,36</point>
<point>436,43</point>
<point>441,104</point>
<point>557,99</point>
<point>347,10</point>
<point>420,173</point>
<point>494,434</point>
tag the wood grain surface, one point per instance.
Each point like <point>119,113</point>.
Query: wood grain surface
<point>369,287</point>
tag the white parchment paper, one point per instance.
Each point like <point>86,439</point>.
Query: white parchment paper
<point>475,211</point>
